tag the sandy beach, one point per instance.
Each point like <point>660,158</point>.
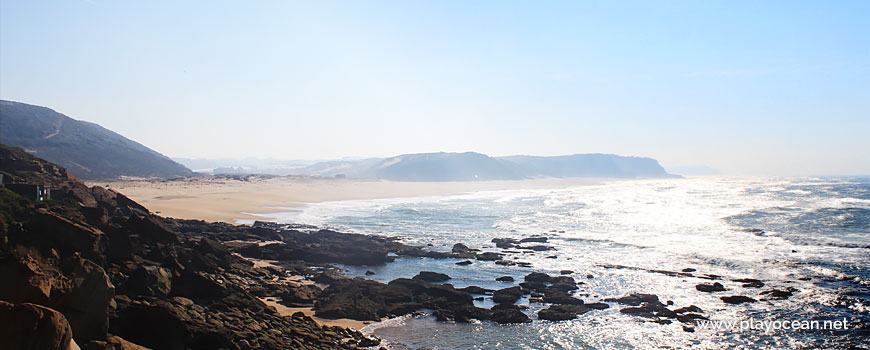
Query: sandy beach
<point>232,198</point>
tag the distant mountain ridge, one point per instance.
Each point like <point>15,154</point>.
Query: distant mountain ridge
<point>87,150</point>
<point>471,166</point>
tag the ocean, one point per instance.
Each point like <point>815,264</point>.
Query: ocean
<point>808,234</point>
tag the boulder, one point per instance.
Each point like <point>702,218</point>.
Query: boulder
<point>24,280</point>
<point>149,280</point>
<point>430,276</point>
<point>687,309</point>
<point>534,240</point>
<point>505,243</point>
<point>538,277</point>
<point>86,304</point>
<point>507,314</point>
<point>504,279</point>
<point>464,262</point>
<point>778,294</point>
<point>555,296</point>
<point>750,282</point>
<point>507,295</point>
<point>113,343</point>
<point>709,288</point>
<point>300,295</point>
<point>737,299</point>
<point>460,248</point>
<point>562,312</point>
<point>33,327</point>
<point>635,299</point>
<point>476,290</point>
<point>489,256</point>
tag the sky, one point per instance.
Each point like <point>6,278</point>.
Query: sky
<point>746,87</point>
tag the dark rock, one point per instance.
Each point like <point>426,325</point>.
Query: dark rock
<point>635,299</point>
<point>537,248</point>
<point>507,295</point>
<point>29,326</point>
<point>534,240</point>
<point>476,290</point>
<point>489,256</point>
<point>300,295</point>
<point>562,312</point>
<point>534,286</point>
<point>461,313</point>
<point>369,272</point>
<point>113,343</point>
<point>149,280</point>
<point>507,314</point>
<point>566,272</point>
<point>504,279</point>
<point>538,277</point>
<point>689,269</point>
<point>750,282</point>
<point>555,296</point>
<point>87,303</point>
<point>777,294</point>
<point>404,308</point>
<point>563,283</point>
<point>461,248</point>
<point>737,299</point>
<point>430,276</point>
<point>552,257</point>
<point>590,276</point>
<point>690,308</point>
<point>709,288</point>
<point>650,310</point>
<point>504,243</point>
<point>690,318</point>
<point>464,262</point>
<point>596,306</point>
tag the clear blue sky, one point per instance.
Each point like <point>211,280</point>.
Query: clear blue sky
<point>755,87</point>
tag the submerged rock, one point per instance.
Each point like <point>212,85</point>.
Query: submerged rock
<point>779,294</point>
<point>737,299</point>
<point>562,312</point>
<point>750,282</point>
<point>489,256</point>
<point>709,288</point>
<point>504,279</point>
<point>505,243</point>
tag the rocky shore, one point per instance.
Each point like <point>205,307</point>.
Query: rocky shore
<point>95,270</point>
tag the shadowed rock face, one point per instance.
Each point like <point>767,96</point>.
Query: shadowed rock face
<point>61,260</point>
<point>30,326</point>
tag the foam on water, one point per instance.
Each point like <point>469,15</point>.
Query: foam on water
<point>778,230</point>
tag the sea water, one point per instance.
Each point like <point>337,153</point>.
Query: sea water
<point>811,234</point>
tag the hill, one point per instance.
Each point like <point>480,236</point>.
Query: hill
<point>589,165</point>
<point>470,166</point>
<point>87,150</point>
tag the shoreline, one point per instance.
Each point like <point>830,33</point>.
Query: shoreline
<point>233,198</point>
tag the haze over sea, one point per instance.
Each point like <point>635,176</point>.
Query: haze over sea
<point>810,234</point>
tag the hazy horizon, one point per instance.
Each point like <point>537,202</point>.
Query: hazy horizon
<point>773,88</point>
